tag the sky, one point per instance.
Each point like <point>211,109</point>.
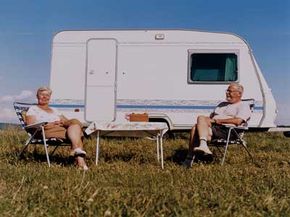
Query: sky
<point>28,26</point>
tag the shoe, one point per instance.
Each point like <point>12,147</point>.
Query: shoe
<point>79,152</point>
<point>188,161</point>
<point>202,150</point>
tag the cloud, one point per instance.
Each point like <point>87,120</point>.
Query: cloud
<point>7,112</point>
<point>8,115</point>
<point>25,94</point>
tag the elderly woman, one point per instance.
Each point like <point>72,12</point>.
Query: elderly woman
<point>58,126</point>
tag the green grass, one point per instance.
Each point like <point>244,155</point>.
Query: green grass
<point>129,182</point>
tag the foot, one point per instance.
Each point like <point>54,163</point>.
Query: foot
<point>202,150</point>
<point>84,168</point>
<point>81,163</point>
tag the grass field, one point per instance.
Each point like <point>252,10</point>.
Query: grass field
<point>129,182</point>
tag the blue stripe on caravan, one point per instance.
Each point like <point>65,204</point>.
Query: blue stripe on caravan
<point>165,107</point>
<point>67,106</point>
<point>148,106</point>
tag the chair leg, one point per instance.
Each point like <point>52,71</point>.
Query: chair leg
<point>27,143</point>
<point>246,148</point>
<point>25,146</point>
<point>54,149</point>
<point>243,143</point>
<point>227,145</point>
<point>219,149</point>
<point>45,146</point>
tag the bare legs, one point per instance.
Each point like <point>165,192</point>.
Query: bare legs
<point>200,133</point>
<point>203,127</point>
<point>74,133</point>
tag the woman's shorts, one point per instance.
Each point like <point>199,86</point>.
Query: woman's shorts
<point>61,131</point>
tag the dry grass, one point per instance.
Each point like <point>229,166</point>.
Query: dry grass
<point>129,182</point>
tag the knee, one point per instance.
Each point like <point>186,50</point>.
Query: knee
<point>193,128</point>
<point>74,122</point>
<point>201,118</point>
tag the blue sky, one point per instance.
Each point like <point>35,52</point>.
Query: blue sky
<point>27,28</point>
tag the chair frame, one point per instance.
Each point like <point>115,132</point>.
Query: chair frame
<point>33,129</point>
<point>226,142</point>
<point>239,135</point>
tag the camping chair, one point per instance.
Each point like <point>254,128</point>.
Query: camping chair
<point>238,132</point>
<point>34,130</point>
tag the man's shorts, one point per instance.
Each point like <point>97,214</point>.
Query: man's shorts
<point>221,132</point>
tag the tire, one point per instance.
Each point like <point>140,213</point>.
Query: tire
<point>287,133</point>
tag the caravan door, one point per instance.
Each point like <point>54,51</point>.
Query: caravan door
<point>100,80</point>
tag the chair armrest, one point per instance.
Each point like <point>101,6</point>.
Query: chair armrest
<point>236,127</point>
<point>35,126</point>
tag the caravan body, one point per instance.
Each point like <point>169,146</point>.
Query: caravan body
<point>173,75</point>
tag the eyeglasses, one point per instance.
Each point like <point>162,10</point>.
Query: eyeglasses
<point>231,91</point>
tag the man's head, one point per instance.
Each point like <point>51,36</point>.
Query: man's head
<point>234,93</point>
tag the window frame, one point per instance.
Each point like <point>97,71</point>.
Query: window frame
<point>211,51</point>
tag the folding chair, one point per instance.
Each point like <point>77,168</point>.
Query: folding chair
<point>238,133</point>
<point>36,132</point>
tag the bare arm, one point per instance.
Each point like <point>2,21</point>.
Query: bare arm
<point>235,121</point>
<point>30,119</point>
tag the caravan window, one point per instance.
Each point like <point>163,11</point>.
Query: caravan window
<point>213,67</point>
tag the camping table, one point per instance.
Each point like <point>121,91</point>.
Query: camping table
<point>157,129</point>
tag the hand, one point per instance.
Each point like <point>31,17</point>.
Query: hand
<point>213,121</point>
<point>59,123</point>
<point>54,123</point>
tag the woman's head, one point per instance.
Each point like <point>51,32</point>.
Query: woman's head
<point>43,95</point>
<point>43,89</point>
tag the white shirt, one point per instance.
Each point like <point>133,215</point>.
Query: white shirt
<point>43,116</point>
<point>226,110</point>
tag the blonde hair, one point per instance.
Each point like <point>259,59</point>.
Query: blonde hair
<point>41,89</point>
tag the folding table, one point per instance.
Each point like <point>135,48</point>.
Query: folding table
<point>157,129</point>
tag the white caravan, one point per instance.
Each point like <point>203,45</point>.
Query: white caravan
<point>173,75</point>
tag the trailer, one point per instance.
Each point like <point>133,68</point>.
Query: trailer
<point>172,75</point>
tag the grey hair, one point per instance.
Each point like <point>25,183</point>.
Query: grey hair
<point>41,89</point>
<point>239,87</point>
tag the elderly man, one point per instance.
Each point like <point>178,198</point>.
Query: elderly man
<point>232,111</point>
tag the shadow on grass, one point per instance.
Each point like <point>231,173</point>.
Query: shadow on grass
<point>126,157</point>
<point>40,157</point>
<point>180,154</point>
<point>14,157</point>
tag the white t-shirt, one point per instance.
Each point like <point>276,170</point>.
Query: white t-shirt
<point>226,110</point>
<point>43,116</point>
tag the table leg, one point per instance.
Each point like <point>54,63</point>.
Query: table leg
<point>161,149</point>
<point>157,147</point>
<point>97,147</point>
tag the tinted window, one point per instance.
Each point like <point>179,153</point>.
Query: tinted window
<point>213,67</point>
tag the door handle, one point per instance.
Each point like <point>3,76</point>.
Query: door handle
<point>91,72</point>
